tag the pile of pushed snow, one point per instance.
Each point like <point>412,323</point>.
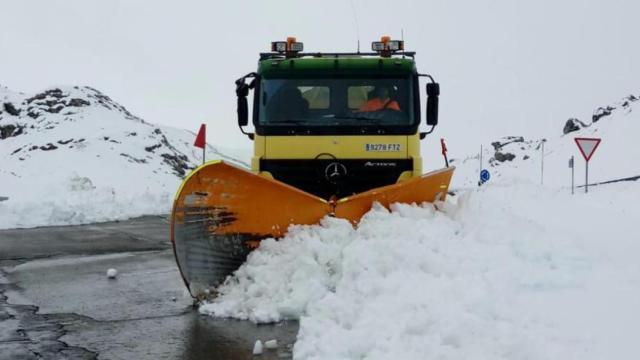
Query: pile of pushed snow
<point>503,272</point>
<point>518,158</point>
<point>72,155</point>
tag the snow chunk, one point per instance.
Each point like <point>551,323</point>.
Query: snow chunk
<point>257,348</point>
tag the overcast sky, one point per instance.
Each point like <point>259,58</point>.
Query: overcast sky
<point>505,67</point>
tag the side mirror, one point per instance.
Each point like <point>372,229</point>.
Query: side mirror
<point>242,91</point>
<point>243,111</point>
<point>433,91</point>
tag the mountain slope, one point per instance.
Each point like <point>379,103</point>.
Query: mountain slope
<point>515,158</point>
<point>73,155</point>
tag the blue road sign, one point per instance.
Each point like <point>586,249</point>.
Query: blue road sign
<point>484,176</point>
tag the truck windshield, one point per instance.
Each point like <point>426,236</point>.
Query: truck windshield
<point>336,102</point>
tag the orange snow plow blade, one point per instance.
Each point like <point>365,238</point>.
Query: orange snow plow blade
<point>222,212</point>
<point>429,187</point>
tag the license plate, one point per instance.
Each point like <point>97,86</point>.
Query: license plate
<point>382,147</point>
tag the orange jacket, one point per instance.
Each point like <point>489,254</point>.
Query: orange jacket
<point>376,104</point>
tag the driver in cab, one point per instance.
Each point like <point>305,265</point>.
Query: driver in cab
<point>380,101</point>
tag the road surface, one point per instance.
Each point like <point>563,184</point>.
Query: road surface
<point>56,301</point>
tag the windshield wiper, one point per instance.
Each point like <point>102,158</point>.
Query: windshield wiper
<point>367,119</point>
<point>368,124</point>
<point>289,121</point>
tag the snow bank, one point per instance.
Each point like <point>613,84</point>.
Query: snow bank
<point>63,200</point>
<point>511,272</point>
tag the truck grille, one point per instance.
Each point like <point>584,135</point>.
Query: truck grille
<point>328,177</point>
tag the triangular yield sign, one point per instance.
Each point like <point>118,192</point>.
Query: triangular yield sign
<point>587,146</point>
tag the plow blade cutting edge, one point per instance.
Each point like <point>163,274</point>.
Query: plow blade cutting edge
<point>221,212</point>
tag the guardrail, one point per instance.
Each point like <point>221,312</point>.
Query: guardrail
<point>631,178</point>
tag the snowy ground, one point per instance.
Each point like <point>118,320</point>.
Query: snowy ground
<point>504,272</point>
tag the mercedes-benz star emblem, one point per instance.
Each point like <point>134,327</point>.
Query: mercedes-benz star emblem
<point>335,172</point>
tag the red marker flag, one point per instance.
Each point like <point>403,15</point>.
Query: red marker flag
<point>201,138</point>
<point>444,152</point>
<point>444,147</point>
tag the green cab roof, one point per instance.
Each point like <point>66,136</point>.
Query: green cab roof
<point>338,66</point>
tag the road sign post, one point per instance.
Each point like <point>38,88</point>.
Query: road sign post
<point>587,147</point>
<point>542,162</point>
<point>586,177</point>
<point>571,165</point>
<point>480,168</point>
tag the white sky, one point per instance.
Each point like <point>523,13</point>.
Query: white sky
<point>505,67</point>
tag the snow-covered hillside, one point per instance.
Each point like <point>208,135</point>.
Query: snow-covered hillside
<point>515,158</point>
<point>72,155</point>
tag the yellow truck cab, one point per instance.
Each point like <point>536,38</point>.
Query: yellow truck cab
<point>336,124</point>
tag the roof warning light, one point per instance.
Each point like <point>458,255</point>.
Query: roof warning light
<point>289,47</point>
<point>386,46</point>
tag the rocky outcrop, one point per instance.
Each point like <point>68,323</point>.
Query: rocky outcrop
<point>11,109</point>
<point>512,148</point>
<point>52,101</point>
<point>497,145</point>
<point>56,100</point>
<point>601,112</point>
<point>76,102</point>
<point>572,125</point>
<point>178,162</point>
<point>628,100</point>
<point>10,130</point>
<point>502,157</point>
<point>48,147</point>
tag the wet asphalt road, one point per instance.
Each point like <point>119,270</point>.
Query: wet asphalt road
<point>57,303</point>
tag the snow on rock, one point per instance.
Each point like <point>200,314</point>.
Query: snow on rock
<point>73,155</point>
<point>495,273</point>
<point>572,125</point>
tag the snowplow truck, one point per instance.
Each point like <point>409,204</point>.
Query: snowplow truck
<point>333,134</point>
